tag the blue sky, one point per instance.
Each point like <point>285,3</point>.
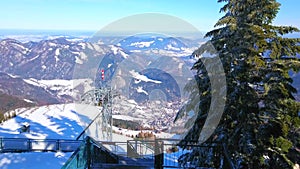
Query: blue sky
<point>95,14</point>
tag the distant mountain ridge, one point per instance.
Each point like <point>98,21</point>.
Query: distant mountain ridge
<point>9,102</point>
<point>58,58</point>
<point>15,86</point>
<point>145,43</point>
<point>47,59</point>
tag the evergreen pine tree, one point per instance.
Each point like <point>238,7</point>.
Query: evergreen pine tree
<point>261,117</point>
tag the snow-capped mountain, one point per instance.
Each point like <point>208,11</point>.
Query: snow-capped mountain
<point>57,58</point>
<point>168,46</point>
<point>61,60</point>
<point>16,86</point>
<point>42,71</point>
<point>42,60</point>
<point>145,43</point>
<point>40,92</point>
<point>153,84</point>
<point>47,59</point>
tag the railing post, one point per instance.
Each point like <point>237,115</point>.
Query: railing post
<point>159,154</point>
<point>29,146</point>
<point>88,149</point>
<point>1,143</point>
<point>132,150</point>
<point>136,146</point>
<point>57,145</point>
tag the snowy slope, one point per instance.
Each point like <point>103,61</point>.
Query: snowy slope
<point>34,160</point>
<point>63,88</point>
<point>64,121</point>
<point>46,122</point>
<point>67,121</point>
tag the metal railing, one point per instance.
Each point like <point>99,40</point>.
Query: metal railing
<point>166,153</point>
<point>31,145</point>
<point>78,159</point>
<point>118,148</point>
<point>204,155</point>
<point>90,152</point>
<point>141,148</point>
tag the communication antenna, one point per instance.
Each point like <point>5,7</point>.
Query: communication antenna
<point>102,97</point>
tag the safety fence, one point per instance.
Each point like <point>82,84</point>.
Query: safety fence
<point>31,145</point>
<point>90,152</point>
<point>164,153</point>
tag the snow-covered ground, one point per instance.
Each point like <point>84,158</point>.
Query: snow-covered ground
<point>33,160</point>
<point>65,121</point>
<point>60,87</point>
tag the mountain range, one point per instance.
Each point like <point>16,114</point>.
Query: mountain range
<point>43,72</point>
<point>25,64</point>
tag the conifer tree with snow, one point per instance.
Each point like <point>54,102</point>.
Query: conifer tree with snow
<point>260,124</point>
